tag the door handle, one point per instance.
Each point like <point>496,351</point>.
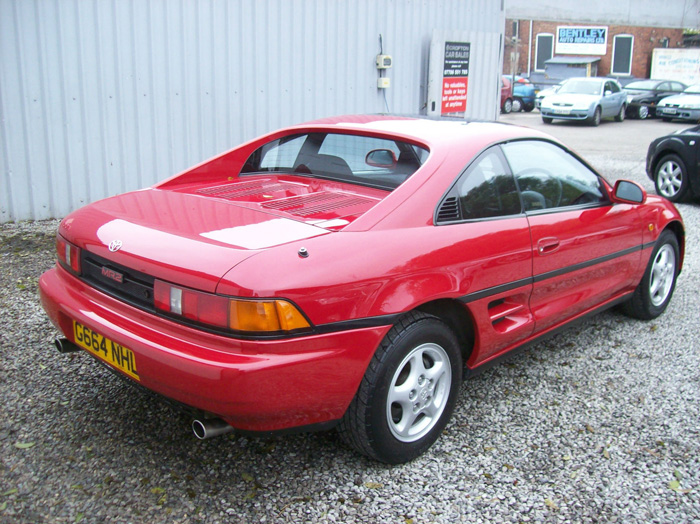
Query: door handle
<point>547,245</point>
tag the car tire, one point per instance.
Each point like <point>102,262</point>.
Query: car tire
<point>517,105</point>
<point>507,106</point>
<point>418,365</point>
<point>547,120</point>
<point>643,112</point>
<point>595,119</point>
<point>620,117</point>
<point>528,107</point>
<point>671,178</point>
<point>655,290</point>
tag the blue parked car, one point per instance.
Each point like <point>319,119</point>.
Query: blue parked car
<point>523,93</point>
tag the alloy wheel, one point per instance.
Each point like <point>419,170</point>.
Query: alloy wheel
<point>670,179</point>
<point>418,392</point>
<point>663,273</point>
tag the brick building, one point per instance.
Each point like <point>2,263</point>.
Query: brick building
<point>622,51</point>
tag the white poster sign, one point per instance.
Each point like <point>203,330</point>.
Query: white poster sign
<point>581,40</point>
<point>676,64</point>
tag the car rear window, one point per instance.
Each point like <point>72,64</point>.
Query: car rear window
<point>365,160</point>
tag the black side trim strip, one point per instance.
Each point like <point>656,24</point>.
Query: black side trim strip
<point>387,320</point>
<point>471,297</point>
<point>477,295</point>
<point>583,265</point>
<point>358,323</point>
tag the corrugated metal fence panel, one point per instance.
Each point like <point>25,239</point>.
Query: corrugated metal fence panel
<point>485,103</point>
<point>98,97</point>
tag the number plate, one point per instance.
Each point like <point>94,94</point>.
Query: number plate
<point>114,354</point>
<point>669,110</point>
<point>562,111</point>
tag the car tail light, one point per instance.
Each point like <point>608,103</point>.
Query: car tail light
<point>68,255</point>
<point>240,315</point>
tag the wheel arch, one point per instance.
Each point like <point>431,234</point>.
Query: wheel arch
<point>677,229</point>
<point>672,146</point>
<point>459,320</point>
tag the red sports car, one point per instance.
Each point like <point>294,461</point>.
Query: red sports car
<point>352,271</point>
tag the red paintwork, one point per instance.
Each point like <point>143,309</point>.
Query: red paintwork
<point>371,253</point>
<point>506,89</point>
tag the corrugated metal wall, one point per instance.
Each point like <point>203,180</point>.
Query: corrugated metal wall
<point>98,97</point>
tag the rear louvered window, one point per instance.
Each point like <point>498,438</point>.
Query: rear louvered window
<point>449,210</point>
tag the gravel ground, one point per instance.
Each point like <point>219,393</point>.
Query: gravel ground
<point>598,424</point>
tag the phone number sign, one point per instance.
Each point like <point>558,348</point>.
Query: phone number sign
<point>455,77</point>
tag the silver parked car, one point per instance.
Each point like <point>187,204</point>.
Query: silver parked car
<point>589,99</point>
<point>684,106</point>
<point>545,92</point>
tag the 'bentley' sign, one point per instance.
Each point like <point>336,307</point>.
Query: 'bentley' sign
<point>578,40</point>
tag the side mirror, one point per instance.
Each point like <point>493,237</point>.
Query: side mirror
<point>384,158</point>
<point>608,92</point>
<point>629,192</point>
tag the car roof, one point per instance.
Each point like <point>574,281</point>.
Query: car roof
<point>436,133</point>
<point>592,79</point>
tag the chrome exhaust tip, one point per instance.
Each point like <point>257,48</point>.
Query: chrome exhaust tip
<point>63,345</point>
<point>208,428</point>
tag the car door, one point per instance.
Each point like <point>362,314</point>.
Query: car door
<point>586,251</point>
<point>662,90</point>
<point>490,254</point>
<point>612,99</point>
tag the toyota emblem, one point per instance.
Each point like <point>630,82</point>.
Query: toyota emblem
<point>115,245</point>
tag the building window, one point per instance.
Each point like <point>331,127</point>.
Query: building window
<point>622,55</point>
<point>544,50</point>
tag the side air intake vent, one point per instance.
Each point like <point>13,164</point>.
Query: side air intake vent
<point>449,210</point>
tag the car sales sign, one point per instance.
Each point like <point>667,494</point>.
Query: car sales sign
<point>455,77</point>
<point>581,40</point>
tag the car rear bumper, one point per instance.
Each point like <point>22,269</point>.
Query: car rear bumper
<point>254,385</point>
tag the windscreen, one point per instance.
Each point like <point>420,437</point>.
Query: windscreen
<point>582,87</point>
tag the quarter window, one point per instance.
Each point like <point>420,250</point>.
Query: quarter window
<point>487,188</point>
<point>282,156</point>
<point>550,177</point>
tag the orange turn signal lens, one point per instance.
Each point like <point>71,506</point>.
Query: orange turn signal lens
<point>290,317</point>
<point>265,315</point>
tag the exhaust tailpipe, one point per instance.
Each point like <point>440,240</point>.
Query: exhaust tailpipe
<point>63,345</point>
<point>211,427</point>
